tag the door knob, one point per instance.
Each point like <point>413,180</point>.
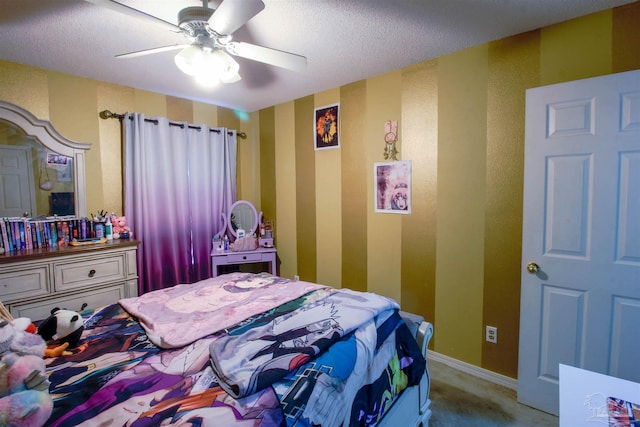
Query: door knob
<point>533,268</point>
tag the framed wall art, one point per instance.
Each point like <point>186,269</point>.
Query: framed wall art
<point>326,129</point>
<point>392,182</point>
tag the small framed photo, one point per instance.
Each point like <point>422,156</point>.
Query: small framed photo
<point>326,129</point>
<point>392,182</point>
<point>55,159</point>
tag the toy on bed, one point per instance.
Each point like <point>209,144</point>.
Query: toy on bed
<point>61,330</point>
<point>24,387</point>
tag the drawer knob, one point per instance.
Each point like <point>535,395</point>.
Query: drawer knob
<point>244,257</point>
<point>92,273</point>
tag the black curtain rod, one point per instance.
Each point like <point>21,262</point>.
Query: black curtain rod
<point>106,114</point>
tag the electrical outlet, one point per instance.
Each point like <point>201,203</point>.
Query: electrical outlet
<point>491,334</point>
<point>296,277</point>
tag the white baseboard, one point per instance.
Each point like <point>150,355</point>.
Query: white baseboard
<point>470,369</point>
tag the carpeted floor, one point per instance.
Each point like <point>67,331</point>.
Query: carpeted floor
<point>460,399</point>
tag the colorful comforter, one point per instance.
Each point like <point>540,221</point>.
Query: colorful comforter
<point>329,372</point>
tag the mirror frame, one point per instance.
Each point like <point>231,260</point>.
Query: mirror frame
<point>258,218</point>
<point>44,132</point>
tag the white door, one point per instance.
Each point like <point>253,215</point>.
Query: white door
<point>16,181</point>
<point>581,232</point>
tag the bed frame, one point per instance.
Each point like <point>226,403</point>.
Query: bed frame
<point>412,409</point>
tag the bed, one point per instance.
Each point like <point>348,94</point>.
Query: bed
<point>248,350</point>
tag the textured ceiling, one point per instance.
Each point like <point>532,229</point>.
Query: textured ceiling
<point>344,40</point>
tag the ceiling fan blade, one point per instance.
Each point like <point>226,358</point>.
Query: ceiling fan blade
<point>151,51</point>
<point>233,14</point>
<point>267,55</point>
<point>119,7</point>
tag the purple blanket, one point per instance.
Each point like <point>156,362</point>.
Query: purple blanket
<point>177,316</point>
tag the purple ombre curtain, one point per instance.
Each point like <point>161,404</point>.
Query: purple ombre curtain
<point>178,180</point>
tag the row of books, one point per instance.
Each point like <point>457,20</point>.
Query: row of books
<point>24,233</point>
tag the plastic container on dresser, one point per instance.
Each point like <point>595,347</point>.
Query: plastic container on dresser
<point>32,282</point>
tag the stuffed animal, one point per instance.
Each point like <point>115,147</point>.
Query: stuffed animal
<point>14,338</point>
<point>120,227</point>
<point>29,408</point>
<point>63,326</point>
<point>22,372</point>
<point>24,386</point>
<point>25,324</point>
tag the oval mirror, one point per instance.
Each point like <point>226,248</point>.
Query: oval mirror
<point>243,216</point>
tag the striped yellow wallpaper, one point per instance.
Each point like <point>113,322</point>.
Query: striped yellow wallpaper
<point>513,67</point>
<point>306,244</point>
<point>420,144</point>
<point>456,258</point>
<point>384,230</point>
<point>462,133</point>
<point>285,174</point>
<point>576,49</point>
<point>354,187</point>
<point>328,199</point>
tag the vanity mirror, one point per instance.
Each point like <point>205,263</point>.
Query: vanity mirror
<point>41,172</point>
<point>243,216</point>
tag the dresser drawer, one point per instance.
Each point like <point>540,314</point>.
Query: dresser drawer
<point>19,284</point>
<point>94,299</point>
<point>88,272</point>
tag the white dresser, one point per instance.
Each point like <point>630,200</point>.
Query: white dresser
<point>35,281</point>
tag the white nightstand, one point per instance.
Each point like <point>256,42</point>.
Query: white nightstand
<point>260,255</point>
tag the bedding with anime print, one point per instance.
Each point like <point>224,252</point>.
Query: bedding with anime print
<point>116,376</point>
<point>264,353</point>
<point>210,305</point>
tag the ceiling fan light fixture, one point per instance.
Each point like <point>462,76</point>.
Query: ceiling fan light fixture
<point>230,69</point>
<point>216,66</point>
<point>206,80</point>
<point>230,78</point>
<point>190,59</point>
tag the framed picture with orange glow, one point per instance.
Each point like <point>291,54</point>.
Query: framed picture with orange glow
<point>326,129</point>
<point>392,182</point>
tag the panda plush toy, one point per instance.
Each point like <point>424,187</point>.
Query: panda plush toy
<point>63,326</point>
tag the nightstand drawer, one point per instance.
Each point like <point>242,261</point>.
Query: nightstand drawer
<point>23,283</point>
<point>89,272</point>
<point>244,257</point>
<point>221,259</point>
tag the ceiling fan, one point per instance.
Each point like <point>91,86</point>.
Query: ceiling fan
<point>209,34</point>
